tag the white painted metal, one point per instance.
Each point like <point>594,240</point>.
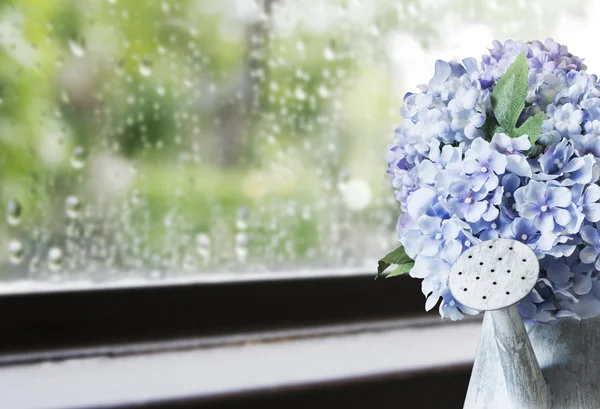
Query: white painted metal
<point>568,353</point>
<point>493,276</point>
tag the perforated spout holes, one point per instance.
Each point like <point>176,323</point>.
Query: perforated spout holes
<point>494,274</point>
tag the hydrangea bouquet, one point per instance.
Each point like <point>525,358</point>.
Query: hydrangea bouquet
<point>505,147</point>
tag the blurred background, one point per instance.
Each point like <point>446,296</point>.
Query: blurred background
<point>144,139</point>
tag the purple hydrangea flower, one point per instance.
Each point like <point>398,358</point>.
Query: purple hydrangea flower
<point>512,148</point>
<point>589,254</point>
<point>542,58</point>
<point>484,165</point>
<point>465,202</point>
<point>587,201</point>
<point>456,187</point>
<point>566,118</point>
<point>550,207</point>
<point>439,238</point>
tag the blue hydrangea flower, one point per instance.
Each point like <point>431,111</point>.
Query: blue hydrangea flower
<point>457,188</point>
<point>542,58</point>
<point>566,119</point>
<point>550,207</point>
<point>465,202</point>
<point>512,148</point>
<point>483,165</point>
<point>587,201</point>
<point>439,238</point>
<point>589,254</point>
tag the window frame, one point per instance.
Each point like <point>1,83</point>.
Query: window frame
<point>118,322</point>
<point>66,319</point>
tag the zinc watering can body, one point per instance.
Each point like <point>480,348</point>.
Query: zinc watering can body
<point>547,367</point>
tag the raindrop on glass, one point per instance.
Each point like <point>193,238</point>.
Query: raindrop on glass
<point>15,251</point>
<point>72,207</point>
<point>189,264</point>
<point>34,264</point>
<point>300,94</point>
<point>145,67</point>
<point>203,244</point>
<point>323,91</point>
<point>55,258</point>
<point>241,247</point>
<point>13,212</point>
<point>329,54</point>
<point>78,157</point>
<point>77,46</point>
<point>241,221</point>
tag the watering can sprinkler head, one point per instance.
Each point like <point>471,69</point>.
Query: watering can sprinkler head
<point>493,276</point>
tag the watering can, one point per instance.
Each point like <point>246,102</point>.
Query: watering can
<point>545,367</point>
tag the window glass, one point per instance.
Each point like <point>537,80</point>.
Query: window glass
<point>152,139</point>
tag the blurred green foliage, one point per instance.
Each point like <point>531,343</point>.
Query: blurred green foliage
<point>239,120</point>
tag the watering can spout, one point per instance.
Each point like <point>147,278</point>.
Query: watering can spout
<point>526,387</point>
<point>494,276</point>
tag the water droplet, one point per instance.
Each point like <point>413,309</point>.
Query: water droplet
<point>300,94</point>
<point>55,258</point>
<point>72,207</point>
<point>78,157</point>
<point>323,91</point>
<point>13,212</point>
<point>145,67</point>
<point>241,221</point>
<point>160,90</point>
<point>34,264</point>
<point>189,264</point>
<point>15,251</point>
<point>77,46</point>
<point>356,194</point>
<point>241,247</point>
<point>64,96</point>
<point>306,213</point>
<point>203,244</point>
<point>329,54</point>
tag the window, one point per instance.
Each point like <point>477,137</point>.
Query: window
<point>150,139</point>
<point>222,164</point>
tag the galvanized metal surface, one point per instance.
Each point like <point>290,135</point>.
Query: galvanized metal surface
<point>493,276</point>
<point>506,373</point>
<point>569,356</point>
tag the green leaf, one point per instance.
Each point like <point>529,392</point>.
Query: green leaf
<point>532,127</point>
<point>489,127</point>
<point>397,256</point>
<point>508,97</point>
<point>401,269</point>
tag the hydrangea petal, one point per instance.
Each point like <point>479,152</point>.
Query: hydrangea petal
<point>560,197</point>
<point>581,284</point>
<point>518,165</point>
<point>561,216</point>
<point>590,235</point>
<point>559,273</point>
<point>588,255</point>
<point>474,212</point>
<point>592,212</point>
<point>544,222</point>
<point>429,246</point>
<point>429,224</point>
